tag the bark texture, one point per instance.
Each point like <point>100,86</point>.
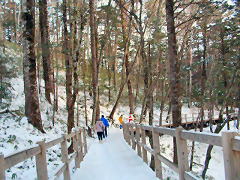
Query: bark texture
<point>126,31</point>
<point>46,53</point>
<point>32,110</point>
<point>173,70</point>
<point>95,63</point>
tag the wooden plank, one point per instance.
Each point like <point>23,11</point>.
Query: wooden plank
<point>231,157</point>
<point>165,131</point>
<point>236,143</point>
<point>150,150</point>
<point>190,176</point>
<point>41,162</point>
<point>149,128</point>
<point>182,153</point>
<point>156,147</point>
<point>144,151</point>
<point>72,157</point>
<point>60,171</point>
<point>2,169</point>
<point>207,138</point>
<point>69,136</point>
<point>53,142</point>
<point>18,157</point>
<point>170,164</point>
<point>138,140</point>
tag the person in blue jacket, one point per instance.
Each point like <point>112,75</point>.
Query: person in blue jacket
<point>106,124</point>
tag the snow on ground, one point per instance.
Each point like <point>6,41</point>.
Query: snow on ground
<point>113,160</point>
<point>17,134</point>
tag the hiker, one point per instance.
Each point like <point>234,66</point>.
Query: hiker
<point>106,125</point>
<point>120,119</point>
<point>130,119</point>
<point>99,127</point>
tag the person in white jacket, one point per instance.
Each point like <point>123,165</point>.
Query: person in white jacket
<point>99,128</point>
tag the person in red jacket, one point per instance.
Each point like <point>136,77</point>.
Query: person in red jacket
<point>130,119</point>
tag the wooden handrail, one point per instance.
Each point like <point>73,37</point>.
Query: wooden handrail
<point>18,157</point>
<point>228,140</point>
<point>39,151</point>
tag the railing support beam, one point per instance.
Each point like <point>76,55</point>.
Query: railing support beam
<point>2,167</point>
<point>231,157</point>
<point>182,153</point>
<point>156,147</point>
<point>41,162</point>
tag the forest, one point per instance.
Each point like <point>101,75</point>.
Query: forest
<point>170,63</point>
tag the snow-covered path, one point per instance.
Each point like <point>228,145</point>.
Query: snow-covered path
<point>113,160</point>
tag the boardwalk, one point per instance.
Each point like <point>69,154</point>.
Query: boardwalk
<point>113,159</point>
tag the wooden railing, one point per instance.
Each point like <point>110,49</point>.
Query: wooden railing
<point>193,118</point>
<point>80,149</point>
<point>135,136</point>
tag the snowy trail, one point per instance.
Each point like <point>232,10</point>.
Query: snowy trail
<point>113,160</point>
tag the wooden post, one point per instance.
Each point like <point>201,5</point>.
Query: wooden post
<point>65,160</point>
<point>186,118</point>
<point>41,162</point>
<point>144,151</point>
<point>85,141</point>
<point>80,145</point>
<point>231,157</point>
<point>76,142</point>
<point>182,153</point>
<point>127,131</point>
<point>138,140</point>
<point>132,136</point>
<point>156,147</point>
<point>124,132</point>
<point>2,167</point>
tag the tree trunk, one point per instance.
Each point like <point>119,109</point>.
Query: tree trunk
<point>84,69</point>
<point>68,64</point>
<point>117,100</point>
<point>32,110</point>
<point>173,70</point>
<point>95,63</point>
<point>204,75</point>
<point>224,74</point>
<point>190,75</point>
<point>46,53</point>
<point>152,163</point>
<point>126,29</point>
